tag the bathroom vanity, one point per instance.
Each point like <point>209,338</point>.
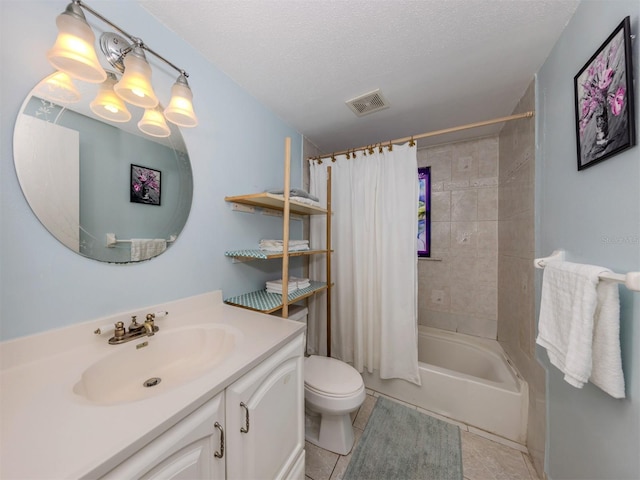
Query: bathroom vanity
<point>229,403</point>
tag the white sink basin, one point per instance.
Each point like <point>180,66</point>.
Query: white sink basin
<point>173,356</point>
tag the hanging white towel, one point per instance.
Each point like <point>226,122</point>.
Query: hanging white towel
<point>580,325</point>
<point>145,248</point>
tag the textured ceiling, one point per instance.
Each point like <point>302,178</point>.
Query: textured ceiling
<point>438,63</point>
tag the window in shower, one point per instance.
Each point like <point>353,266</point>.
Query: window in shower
<point>424,212</point>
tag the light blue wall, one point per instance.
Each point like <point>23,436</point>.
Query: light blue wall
<point>595,216</point>
<point>237,148</point>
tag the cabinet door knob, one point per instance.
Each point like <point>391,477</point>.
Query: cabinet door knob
<point>220,454</point>
<point>245,429</point>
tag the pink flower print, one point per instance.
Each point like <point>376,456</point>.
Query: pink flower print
<point>605,79</point>
<point>616,101</point>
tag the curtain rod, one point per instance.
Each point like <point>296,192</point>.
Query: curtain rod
<point>412,138</point>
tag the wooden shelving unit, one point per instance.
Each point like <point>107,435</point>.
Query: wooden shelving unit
<point>275,202</point>
<point>265,302</point>
<point>263,255</point>
<point>261,300</point>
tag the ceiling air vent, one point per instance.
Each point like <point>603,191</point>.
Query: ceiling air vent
<point>368,103</point>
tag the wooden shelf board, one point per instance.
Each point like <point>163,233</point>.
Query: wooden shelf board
<point>264,255</point>
<point>262,301</point>
<point>275,202</point>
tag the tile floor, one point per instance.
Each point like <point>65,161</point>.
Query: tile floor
<point>484,456</point>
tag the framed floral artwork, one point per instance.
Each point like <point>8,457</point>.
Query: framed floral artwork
<point>424,212</point>
<point>605,120</point>
<point>145,185</point>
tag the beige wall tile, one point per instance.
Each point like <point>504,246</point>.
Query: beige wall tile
<point>488,203</point>
<point>440,236</point>
<point>441,206</point>
<point>464,205</point>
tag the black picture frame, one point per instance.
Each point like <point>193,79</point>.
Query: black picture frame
<point>145,185</point>
<point>424,212</point>
<point>604,100</point>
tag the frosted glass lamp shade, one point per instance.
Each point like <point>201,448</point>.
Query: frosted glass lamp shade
<point>108,105</point>
<point>59,88</point>
<point>180,108</point>
<point>152,123</point>
<point>73,51</point>
<point>135,85</point>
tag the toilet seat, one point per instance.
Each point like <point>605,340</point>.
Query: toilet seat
<point>330,377</point>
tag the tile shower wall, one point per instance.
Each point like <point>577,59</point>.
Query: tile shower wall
<point>516,290</point>
<point>457,287</point>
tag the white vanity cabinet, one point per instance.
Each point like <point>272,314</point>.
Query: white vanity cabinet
<point>260,417</point>
<point>185,451</point>
<point>265,419</point>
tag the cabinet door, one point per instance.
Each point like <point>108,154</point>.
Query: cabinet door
<point>265,417</point>
<point>185,451</point>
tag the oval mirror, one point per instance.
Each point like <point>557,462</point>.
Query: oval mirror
<point>97,184</point>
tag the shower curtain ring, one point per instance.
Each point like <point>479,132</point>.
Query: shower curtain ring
<point>390,146</point>
<point>412,143</point>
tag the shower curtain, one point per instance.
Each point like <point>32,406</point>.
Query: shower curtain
<point>374,263</point>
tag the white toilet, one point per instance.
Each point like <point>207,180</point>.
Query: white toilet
<point>332,390</point>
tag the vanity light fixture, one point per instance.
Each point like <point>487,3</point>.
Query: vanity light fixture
<point>59,88</point>
<point>135,85</point>
<point>73,51</point>
<point>74,54</point>
<point>152,123</point>
<point>180,109</point>
<point>107,104</point>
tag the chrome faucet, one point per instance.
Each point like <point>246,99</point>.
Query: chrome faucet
<point>121,335</point>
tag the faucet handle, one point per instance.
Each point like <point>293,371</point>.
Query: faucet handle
<point>149,326</point>
<point>119,330</point>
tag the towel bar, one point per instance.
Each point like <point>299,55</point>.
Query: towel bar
<point>112,240</point>
<point>631,279</point>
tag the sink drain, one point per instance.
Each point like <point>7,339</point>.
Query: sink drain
<point>152,382</point>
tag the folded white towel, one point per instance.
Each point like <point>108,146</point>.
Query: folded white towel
<point>275,286</point>
<point>145,248</point>
<point>301,282</point>
<point>277,246</point>
<point>280,242</point>
<point>579,326</point>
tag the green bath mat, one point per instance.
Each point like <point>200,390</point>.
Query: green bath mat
<point>400,443</point>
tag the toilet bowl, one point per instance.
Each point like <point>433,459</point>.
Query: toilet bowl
<point>332,391</point>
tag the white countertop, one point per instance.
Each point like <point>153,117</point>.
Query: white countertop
<point>48,431</point>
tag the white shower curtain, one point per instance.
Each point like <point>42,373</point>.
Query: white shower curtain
<point>374,264</point>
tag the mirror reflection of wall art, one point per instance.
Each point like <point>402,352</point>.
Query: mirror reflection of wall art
<point>145,185</point>
<point>604,100</point>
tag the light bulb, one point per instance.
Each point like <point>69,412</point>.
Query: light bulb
<point>152,123</point>
<point>59,88</point>
<point>108,105</point>
<point>73,51</point>
<point>180,108</point>
<point>135,85</point>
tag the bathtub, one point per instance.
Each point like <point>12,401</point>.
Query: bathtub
<point>465,378</point>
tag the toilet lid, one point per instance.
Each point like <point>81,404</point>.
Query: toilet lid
<point>331,376</point>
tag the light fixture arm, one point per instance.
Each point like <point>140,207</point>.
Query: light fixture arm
<point>136,42</point>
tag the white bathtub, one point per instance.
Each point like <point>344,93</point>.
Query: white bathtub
<point>465,378</point>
